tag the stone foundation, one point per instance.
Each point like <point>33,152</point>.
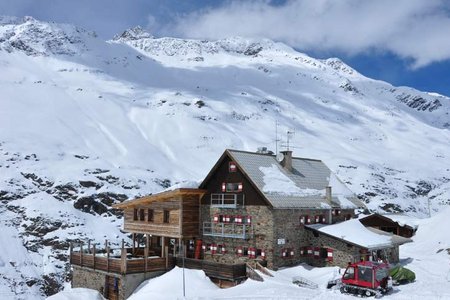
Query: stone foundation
<point>96,280</point>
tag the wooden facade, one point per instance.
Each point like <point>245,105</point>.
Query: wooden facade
<point>172,214</point>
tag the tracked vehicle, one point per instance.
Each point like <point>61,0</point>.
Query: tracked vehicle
<point>366,279</point>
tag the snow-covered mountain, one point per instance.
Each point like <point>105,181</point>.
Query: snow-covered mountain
<point>85,123</point>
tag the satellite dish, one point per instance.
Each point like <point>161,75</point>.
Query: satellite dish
<point>280,157</point>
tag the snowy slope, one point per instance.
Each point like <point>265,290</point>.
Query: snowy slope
<point>85,123</point>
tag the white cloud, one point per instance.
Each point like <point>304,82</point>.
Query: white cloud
<point>412,29</point>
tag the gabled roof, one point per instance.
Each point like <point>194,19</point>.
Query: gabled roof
<point>303,187</point>
<point>353,232</point>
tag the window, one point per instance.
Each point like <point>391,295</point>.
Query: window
<point>232,167</point>
<point>150,215</point>
<point>141,215</point>
<point>349,273</point>
<point>320,219</point>
<point>135,214</point>
<point>166,216</point>
<point>305,220</point>
<point>233,187</point>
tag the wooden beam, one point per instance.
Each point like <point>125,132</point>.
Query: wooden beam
<point>93,253</point>
<point>107,255</point>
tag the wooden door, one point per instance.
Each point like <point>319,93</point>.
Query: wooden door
<point>112,286</point>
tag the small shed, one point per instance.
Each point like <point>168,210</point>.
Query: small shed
<point>350,241</point>
<point>393,223</point>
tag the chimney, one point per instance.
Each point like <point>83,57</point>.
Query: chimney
<point>328,193</point>
<point>287,160</point>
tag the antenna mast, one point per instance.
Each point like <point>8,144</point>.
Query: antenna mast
<point>290,133</point>
<point>276,137</point>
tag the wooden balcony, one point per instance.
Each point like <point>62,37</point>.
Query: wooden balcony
<point>120,261</point>
<point>228,230</point>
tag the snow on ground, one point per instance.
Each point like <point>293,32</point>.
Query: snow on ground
<point>427,256</point>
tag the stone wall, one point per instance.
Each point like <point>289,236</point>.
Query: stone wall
<point>95,279</point>
<point>275,231</point>
<point>290,234</point>
<point>262,238</point>
<point>88,278</point>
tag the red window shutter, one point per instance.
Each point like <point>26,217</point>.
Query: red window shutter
<point>307,220</point>
<point>240,187</point>
<point>224,186</point>
<point>263,254</point>
<point>213,248</point>
<point>329,254</point>
<point>216,218</point>
<point>238,219</point>
<point>310,251</point>
<point>317,219</point>
<point>248,220</point>
<point>239,251</point>
<point>223,249</point>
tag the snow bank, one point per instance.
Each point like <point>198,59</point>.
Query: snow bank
<point>77,294</point>
<point>170,286</point>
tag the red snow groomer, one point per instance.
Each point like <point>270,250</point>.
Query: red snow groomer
<point>366,279</point>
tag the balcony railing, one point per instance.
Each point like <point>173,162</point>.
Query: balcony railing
<point>227,200</point>
<point>228,230</point>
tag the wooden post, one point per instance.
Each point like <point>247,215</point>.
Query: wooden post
<point>70,252</point>
<point>146,255</point>
<point>163,246</point>
<point>166,255</point>
<point>93,253</point>
<point>123,260</point>
<point>81,254</point>
<point>89,246</point>
<point>107,255</point>
<point>134,240</point>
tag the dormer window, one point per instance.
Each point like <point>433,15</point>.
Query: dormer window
<point>232,167</point>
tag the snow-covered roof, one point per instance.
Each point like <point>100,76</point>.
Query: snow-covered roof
<point>352,231</point>
<point>402,220</point>
<point>396,239</point>
<point>304,186</point>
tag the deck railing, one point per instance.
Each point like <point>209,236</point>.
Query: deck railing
<point>227,200</point>
<point>228,230</point>
<point>120,261</point>
<point>212,269</point>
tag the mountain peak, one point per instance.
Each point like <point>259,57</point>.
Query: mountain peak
<point>132,34</point>
<point>38,38</point>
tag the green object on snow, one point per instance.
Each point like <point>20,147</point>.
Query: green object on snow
<point>402,275</point>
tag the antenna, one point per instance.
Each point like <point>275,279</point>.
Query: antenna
<point>276,137</point>
<point>289,134</point>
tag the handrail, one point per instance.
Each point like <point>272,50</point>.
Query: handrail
<point>229,230</point>
<point>227,200</point>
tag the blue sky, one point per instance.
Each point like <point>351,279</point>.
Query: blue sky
<point>404,42</point>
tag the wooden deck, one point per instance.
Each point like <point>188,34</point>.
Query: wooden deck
<point>121,265</point>
<point>234,272</point>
